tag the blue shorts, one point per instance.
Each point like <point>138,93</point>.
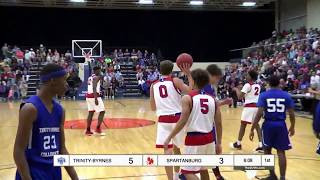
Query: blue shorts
<point>275,135</point>
<point>43,172</point>
<point>316,120</point>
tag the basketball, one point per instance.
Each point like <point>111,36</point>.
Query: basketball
<point>184,58</point>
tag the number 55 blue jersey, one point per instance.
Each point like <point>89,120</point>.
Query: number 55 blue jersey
<point>274,130</point>
<point>275,103</point>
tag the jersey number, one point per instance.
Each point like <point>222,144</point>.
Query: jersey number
<point>49,142</point>
<point>256,91</point>
<point>275,105</point>
<point>163,91</point>
<point>204,106</point>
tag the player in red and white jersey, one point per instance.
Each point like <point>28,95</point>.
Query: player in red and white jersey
<point>94,101</point>
<point>200,116</point>
<point>250,92</point>
<point>165,99</point>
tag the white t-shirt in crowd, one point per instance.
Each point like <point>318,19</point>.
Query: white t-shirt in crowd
<point>315,45</point>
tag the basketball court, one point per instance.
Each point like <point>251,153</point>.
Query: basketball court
<point>132,130</point>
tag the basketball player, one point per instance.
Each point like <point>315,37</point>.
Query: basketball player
<point>215,75</point>
<point>274,103</point>
<point>94,101</point>
<point>165,99</point>
<point>316,113</point>
<point>251,92</point>
<point>201,116</point>
<point>40,133</point>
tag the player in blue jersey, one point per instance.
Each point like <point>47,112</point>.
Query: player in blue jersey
<point>274,103</point>
<point>215,75</point>
<point>316,113</point>
<point>40,133</point>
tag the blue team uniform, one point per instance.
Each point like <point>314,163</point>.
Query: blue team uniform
<point>209,90</point>
<point>44,142</point>
<point>316,123</point>
<point>274,130</point>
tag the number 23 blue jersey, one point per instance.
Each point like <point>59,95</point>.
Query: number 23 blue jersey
<point>275,103</point>
<point>44,141</point>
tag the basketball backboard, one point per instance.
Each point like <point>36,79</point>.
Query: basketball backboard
<point>83,48</point>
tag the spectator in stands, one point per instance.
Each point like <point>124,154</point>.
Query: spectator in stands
<point>117,66</point>
<point>119,78</point>
<point>5,50</point>
<point>153,60</point>
<point>23,86</point>
<point>68,56</point>
<point>19,56</point>
<point>134,55</point>
<point>316,44</point>
<point>139,54</point>
<point>121,56</point>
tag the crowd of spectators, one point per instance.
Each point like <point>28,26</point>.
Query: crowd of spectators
<point>144,64</point>
<point>16,63</point>
<point>294,56</point>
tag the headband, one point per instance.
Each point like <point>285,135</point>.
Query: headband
<point>52,75</point>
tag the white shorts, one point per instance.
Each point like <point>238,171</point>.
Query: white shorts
<point>165,126</point>
<point>93,107</point>
<point>248,114</point>
<point>207,149</point>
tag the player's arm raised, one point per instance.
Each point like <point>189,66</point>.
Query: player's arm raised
<point>94,88</point>
<point>27,116</point>
<point>218,127</point>
<point>185,68</point>
<point>185,113</point>
<point>152,101</point>
<point>70,170</point>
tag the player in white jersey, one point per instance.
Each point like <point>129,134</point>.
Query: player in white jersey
<point>200,116</point>
<point>251,92</point>
<point>165,99</point>
<point>94,101</point>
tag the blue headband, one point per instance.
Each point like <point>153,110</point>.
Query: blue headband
<point>52,75</point>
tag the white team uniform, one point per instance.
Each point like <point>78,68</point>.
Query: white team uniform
<point>168,109</point>
<point>200,129</point>
<point>252,92</point>
<point>90,97</point>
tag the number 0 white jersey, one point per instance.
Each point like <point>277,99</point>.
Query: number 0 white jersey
<point>167,97</point>
<point>201,118</point>
<point>252,92</point>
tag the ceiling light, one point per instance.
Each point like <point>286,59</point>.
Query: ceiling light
<point>78,1</point>
<point>145,2</point>
<point>196,2</point>
<point>249,4</point>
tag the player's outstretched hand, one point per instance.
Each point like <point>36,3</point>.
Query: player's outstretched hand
<point>291,131</point>
<point>218,149</point>
<point>227,101</point>
<point>185,68</point>
<point>251,135</point>
<point>96,102</point>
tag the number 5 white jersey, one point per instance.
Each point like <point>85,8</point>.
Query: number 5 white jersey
<point>167,97</point>
<point>201,118</point>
